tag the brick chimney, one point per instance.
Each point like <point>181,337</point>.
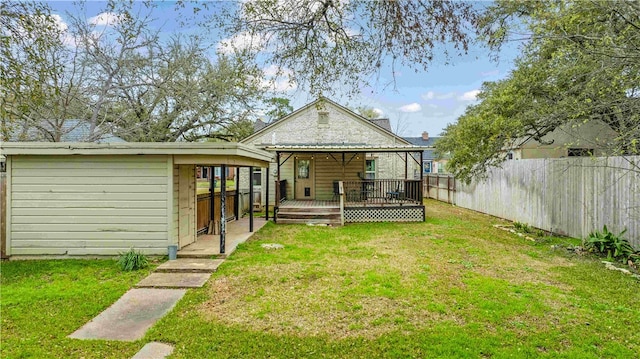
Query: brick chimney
<point>425,135</point>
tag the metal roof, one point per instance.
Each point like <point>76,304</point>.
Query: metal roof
<point>345,148</point>
<point>135,148</point>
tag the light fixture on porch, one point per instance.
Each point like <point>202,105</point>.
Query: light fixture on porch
<point>327,156</point>
<point>357,157</point>
<point>311,156</point>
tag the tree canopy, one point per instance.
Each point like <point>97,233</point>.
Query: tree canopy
<point>580,64</point>
<point>327,44</point>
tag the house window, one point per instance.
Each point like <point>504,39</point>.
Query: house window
<point>370,172</point>
<point>510,155</point>
<point>580,152</point>
<point>257,177</point>
<point>204,171</point>
<point>427,166</point>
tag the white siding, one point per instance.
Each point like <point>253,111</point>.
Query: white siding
<point>88,205</point>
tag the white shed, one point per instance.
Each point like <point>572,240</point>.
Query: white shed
<point>67,199</point>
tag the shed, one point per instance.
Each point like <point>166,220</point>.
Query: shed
<point>67,199</point>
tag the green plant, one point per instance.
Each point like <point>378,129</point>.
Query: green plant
<point>522,227</point>
<point>614,246</point>
<point>132,260</point>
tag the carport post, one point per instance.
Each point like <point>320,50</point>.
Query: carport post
<point>266,208</point>
<point>236,203</point>
<point>251,199</point>
<point>223,206</point>
<point>212,189</point>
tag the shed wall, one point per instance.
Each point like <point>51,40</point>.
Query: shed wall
<point>88,205</point>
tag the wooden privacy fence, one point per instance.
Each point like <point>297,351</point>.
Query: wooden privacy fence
<point>204,207</point>
<point>3,214</point>
<point>570,196</point>
<point>440,187</point>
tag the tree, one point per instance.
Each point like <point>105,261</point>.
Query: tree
<point>368,112</point>
<point>323,44</point>
<point>120,78</point>
<point>278,107</point>
<point>580,65</point>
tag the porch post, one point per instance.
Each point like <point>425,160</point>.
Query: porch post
<point>251,199</point>
<point>266,208</point>
<point>236,204</point>
<point>212,197</point>
<point>278,194</point>
<point>421,176</point>
<point>223,206</point>
<point>406,164</point>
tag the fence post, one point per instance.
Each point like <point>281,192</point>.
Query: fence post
<point>449,189</point>
<point>437,187</point>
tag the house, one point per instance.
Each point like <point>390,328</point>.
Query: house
<point>71,130</point>
<point>431,164</point>
<point>590,138</point>
<point>66,199</point>
<point>325,154</point>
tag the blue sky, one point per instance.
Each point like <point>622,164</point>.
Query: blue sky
<point>422,101</point>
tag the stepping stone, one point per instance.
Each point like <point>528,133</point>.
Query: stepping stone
<point>129,318</point>
<point>174,280</point>
<point>154,350</point>
<point>192,265</point>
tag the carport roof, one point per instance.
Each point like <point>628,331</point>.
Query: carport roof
<point>205,153</point>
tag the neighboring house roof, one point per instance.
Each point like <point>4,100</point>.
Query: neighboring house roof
<point>429,154</point>
<point>73,130</point>
<point>377,124</point>
<point>382,122</point>
<point>259,125</point>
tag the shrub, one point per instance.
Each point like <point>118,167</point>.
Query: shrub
<point>614,246</point>
<point>132,260</point>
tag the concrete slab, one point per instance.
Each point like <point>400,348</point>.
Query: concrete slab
<point>131,316</point>
<point>174,280</point>
<point>154,350</point>
<point>208,245</point>
<point>193,265</point>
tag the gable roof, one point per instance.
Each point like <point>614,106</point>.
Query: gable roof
<point>428,154</point>
<point>72,130</point>
<point>381,125</point>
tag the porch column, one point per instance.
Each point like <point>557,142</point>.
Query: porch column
<point>266,215</point>
<point>421,176</point>
<point>278,194</point>
<point>406,165</point>
<point>251,199</point>
<point>236,204</point>
<point>223,206</point>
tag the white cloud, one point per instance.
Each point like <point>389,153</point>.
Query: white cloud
<point>431,95</point>
<point>240,42</point>
<point>469,95</point>
<point>278,79</point>
<point>106,19</point>
<point>378,112</point>
<point>412,107</point>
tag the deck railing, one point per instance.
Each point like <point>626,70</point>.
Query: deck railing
<point>382,191</point>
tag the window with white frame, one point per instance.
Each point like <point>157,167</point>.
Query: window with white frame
<point>370,169</point>
<point>257,177</point>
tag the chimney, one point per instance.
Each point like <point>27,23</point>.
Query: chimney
<point>425,135</point>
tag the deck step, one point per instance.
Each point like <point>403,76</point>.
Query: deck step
<point>201,255</point>
<point>308,214</point>
<point>310,209</point>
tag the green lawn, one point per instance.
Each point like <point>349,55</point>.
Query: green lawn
<point>453,286</point>
<point>41,302</point>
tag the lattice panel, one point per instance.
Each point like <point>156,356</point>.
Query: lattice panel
<point>381,214</point>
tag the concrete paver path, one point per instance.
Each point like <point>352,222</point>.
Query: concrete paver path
<point>154,350</point>
<point>129,318</point>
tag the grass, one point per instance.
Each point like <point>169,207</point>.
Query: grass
<point>41,302</point>
<point>453,286</point>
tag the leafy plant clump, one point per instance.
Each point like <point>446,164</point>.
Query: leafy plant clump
<point>522,227</point>
<point>132,260</point>
<point>614,246</point>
